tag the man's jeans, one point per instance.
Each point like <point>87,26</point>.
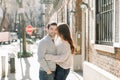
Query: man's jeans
<point>44,76</point>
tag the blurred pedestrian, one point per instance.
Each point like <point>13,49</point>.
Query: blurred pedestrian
<point>46,45</point>
<point>65,51</point>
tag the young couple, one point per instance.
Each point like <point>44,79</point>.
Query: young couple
<point>55,54</point>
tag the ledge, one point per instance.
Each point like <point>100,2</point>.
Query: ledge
<point>105,48</point>
<point>97,73</point>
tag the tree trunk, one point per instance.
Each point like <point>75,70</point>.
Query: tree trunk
<point>4,13</point>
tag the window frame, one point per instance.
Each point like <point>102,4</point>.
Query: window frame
<point>102,38</point>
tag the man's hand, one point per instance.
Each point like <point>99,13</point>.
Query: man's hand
<point>49,72</point>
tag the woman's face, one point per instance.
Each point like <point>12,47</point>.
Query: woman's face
<point>57,32</point>
<point>60,35</point>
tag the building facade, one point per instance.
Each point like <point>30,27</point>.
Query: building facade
<point>95,29</point>
<point>68,11</point>
<point>101,24</point>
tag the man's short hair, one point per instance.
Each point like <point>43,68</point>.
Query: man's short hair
<point>52,24</point>
<point>48,26</point>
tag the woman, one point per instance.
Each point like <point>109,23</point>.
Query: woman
<point>65,49</point>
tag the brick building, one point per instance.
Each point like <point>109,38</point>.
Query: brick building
<point>95,30</point>
<point>68,11</point>
<point>103,39</point>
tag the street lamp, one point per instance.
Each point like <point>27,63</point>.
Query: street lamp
<point>84,6</point>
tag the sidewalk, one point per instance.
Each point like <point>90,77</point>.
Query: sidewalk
<point>28,69</point>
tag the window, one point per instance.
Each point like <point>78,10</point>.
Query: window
<point>104,22</point>
<point>46,1</point>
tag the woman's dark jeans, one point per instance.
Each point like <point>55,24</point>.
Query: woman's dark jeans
<point>60,73</point>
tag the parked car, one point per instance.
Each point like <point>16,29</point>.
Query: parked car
<point>14,36</point>
<point>5,37</point>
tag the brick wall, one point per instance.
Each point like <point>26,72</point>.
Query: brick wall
<point>107,61</point>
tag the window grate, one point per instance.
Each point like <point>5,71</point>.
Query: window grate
<point>46,1</point>
<point>104,22</point>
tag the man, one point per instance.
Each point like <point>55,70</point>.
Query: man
<point>47,46</point>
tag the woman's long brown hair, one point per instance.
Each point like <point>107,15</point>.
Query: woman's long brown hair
<point>63,29</point>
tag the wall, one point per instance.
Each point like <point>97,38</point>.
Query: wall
<point>107,61</point>
<point>77,62</point>
<point>93,72</point>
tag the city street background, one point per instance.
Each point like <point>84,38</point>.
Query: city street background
<point>25,68</point>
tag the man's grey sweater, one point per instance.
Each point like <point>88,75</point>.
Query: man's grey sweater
<point>46,46</point>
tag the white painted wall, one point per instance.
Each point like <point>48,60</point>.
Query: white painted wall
<point>77,62</point>
<point>93,72</point>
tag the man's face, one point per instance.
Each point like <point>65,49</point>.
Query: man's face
<point>52,30</point>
